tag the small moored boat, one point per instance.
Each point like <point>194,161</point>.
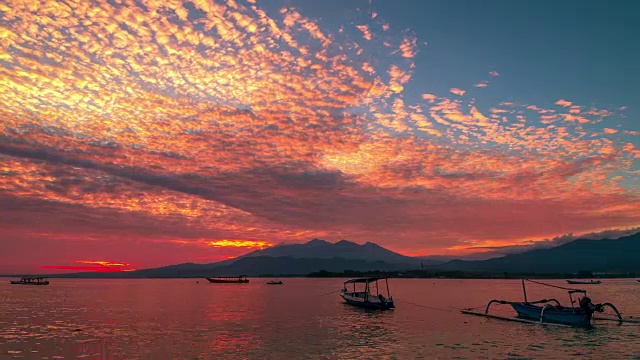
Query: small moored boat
<point>242,279</point>
<point>583,282</point>
<point>273,282</point>
<point>31,281</point>
<point>550,311</point>
<point>362,295</point>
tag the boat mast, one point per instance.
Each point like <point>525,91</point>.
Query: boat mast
<point>386,280</point>
<point>524,290</point>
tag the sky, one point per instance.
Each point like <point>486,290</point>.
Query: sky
<point>142,133</point>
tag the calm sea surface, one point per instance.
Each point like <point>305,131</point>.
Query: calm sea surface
<point>182,319</point>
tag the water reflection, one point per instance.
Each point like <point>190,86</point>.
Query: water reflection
<point>366,333</point>
<point>179,319</point>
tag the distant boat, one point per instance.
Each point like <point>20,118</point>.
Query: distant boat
<point>590,282</point>
<point>274,282</point>
<point>365,298</point>
<point>242,279</point>
<point>31,281</point>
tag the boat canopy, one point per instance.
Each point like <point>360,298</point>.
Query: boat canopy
<point>364,280</point>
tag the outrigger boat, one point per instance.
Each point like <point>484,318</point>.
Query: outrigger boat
<point>273,282</point>
<point>242,279</point>
<point>550,311</point>
<point>31,281</point>
<point>582,282</point>
<point>365,298</point>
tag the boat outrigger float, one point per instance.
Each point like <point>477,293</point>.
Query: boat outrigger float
<point>551,312</point>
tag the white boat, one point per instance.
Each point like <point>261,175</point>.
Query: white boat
<point>362,295</point>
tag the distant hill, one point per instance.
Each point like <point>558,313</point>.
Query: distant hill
<point>606,256</point>
<point>287,265</point>
<point>320,249</point>
<point>293,259</point>
<point>252,266</point>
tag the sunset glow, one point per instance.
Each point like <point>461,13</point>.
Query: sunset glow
<point>240,244</point>
<point>102,263</point>
<point>92,266</point>
<point>126,125</point>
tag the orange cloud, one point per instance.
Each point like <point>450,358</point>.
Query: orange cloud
<point>249,244</point>
<point>575,118</point>
<point>457,91</point>
<point>563,103</point>
<point>429,97</point>
<point>102,263</point>
<point>366,33</point>
<point>408,47</point>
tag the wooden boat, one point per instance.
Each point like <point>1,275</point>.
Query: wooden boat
<point>556,313</point>
<point>363,296</point>
<point>31,281</point>
<point>583,282</point>
<point>274,282</point>
<point>550,311</point>
<point>242,279</point>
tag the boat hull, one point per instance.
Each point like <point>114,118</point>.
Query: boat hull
<point>553,314</point>
<point>274,283</point>
<point>230,281</point>
<point>365,304</point>
<point>28,283</point>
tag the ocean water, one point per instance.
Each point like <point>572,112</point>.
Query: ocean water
<point>302,319</point>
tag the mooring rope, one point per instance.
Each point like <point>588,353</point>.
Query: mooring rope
<point>330,292</point>
<point>551,285</point>
<point>426,307</point>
